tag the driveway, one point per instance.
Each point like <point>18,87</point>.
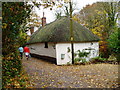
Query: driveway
<point>45,74</point>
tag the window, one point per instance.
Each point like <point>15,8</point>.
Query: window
<point>46,45</point>
<point>62,56</point>
<point>91,43</point>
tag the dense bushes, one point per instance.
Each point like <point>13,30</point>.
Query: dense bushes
<point>80,58</point>
<point>11,67</point>
<point>114,43</point>
<point>14,25</point>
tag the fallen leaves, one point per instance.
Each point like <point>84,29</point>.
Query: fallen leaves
<point>44,75</point>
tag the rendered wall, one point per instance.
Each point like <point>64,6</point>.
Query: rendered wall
<point>62,51</point>
<point>61,48</point>
<point>39,49</point>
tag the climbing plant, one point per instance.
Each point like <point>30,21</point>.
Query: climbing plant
<point>80,56</point>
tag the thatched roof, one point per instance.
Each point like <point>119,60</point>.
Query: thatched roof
<point>59,31</point>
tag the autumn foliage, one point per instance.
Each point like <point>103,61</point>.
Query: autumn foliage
<point>13,28</point>
<point>101,19</point>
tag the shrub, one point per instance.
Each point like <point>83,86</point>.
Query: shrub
<point>98,60</point>
<point>114,43</point>
<point>15,15</point>
<point>80,57</point>
<point>11,68</point>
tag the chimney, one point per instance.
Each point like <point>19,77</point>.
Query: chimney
<point>43,20</point>
<point>31,30</point>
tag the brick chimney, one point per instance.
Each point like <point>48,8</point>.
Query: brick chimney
<point>31,30</point>
<point>43,20</point>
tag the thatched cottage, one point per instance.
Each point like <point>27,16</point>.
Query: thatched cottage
<point>53,40</point>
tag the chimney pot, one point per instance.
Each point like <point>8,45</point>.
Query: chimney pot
<point>43,20</point>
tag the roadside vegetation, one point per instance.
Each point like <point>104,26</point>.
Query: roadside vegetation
<point>100,18</point>
<point>13,27</point>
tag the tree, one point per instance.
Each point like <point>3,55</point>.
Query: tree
<point>63,9</point>
<point>114,43</point>
<point>111,9</point>
<point>34,20</point>
<point>14,25</point>
<point>100,18</point>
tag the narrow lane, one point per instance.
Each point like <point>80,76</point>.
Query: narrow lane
<point>44,74</point>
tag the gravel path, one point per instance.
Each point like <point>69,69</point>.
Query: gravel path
<point>44,74</point>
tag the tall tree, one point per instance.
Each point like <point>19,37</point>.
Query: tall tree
<point>100,18</point>
<point>63,8</point>
<point>13,32</point>
<point>34,20</point>
<point>14,26</point>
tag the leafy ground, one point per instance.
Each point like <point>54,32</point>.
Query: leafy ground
<point>44,74</point>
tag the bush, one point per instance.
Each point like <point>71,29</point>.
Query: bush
<point>98,60</point>
<point>11,67</point>
<point>80,57</point>
<point>114,43</point>
<point>15,15</point>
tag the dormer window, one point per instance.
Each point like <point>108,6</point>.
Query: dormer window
<point>46,44</point>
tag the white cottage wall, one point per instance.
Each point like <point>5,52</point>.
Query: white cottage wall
<point>39,49</point>
<point>64,57</point>
<point>93,48</point>
<point>61,49</point>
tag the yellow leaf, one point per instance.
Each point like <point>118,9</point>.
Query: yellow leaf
<point>66,1</point>
<point>53,80</point>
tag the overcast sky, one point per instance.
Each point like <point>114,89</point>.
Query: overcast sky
<point>49,14</point>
